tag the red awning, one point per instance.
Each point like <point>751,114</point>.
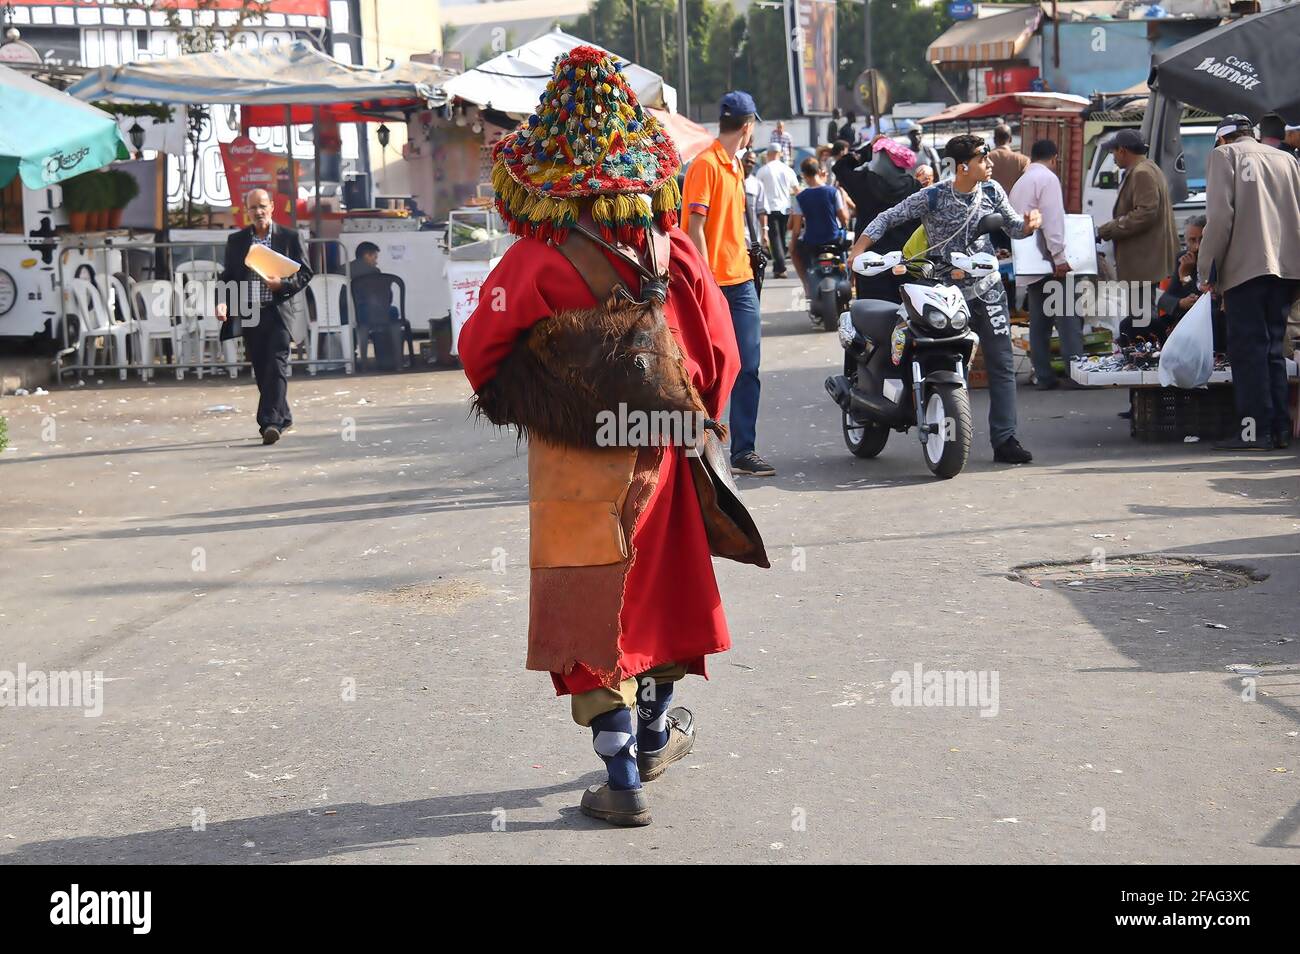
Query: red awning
<point>691,138</point>
<point>340,112</point>
<point>1004,104</point>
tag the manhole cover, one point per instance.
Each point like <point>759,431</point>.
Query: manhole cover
<point>1139,574</point>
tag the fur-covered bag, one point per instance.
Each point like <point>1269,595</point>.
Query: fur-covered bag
<point>575,368</point>
<point>571,367</point>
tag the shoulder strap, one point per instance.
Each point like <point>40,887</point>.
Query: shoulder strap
<point>932,197</point>
<point>590,262</point>
<point>990,193</point>
<point>597,270</point>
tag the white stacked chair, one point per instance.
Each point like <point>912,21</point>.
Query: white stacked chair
<point>155,310</point>
<point>190,308</point>
<point>97,325</point>
<point>329,292</point>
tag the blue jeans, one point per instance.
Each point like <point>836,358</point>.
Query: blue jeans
<point>744,395</point>
<point>989,319</point>
<point>1069,326</point>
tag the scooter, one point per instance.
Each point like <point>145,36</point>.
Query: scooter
<point>906,365</point>
<point>829,287</point>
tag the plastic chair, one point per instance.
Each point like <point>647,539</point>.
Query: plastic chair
<point>366,291</point>
<point>201,269</point>
<point>121,308</point>
<point>200,331</point>
<point>155,310</point>
<point>208,333</point>
<point>328,298</point>
<point>98,325</point>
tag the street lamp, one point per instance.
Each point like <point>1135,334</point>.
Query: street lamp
<point>382,135</point>
<point>136,132</point>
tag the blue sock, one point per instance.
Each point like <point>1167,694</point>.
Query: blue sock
<point>615,742</point>
<point>652,701</point>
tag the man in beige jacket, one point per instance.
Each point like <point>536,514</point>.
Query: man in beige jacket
<point>1251,253</point>
<point>1143,230</point>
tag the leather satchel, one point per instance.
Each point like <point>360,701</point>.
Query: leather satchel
<point>728,525</point>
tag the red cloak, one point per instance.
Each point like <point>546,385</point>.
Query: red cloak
<point>671,610</point>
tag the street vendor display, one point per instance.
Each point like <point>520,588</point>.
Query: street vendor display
<point>623,600</point>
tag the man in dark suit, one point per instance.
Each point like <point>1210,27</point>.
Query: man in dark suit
<point>261,310</point>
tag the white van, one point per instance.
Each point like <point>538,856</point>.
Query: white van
<point>1102,183</point>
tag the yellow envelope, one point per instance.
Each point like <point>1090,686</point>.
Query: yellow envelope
<point>269,263</point>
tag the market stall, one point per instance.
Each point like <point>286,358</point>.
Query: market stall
<point>292,84</point>
<point>1159,412</point>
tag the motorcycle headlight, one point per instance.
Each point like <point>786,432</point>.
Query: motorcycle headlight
<point>960,320</point>
<point>936,319</point>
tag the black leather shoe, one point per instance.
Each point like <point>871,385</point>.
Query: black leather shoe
<point>270,435</point>
<point>626,808</point>
<point>681,736</point>
<point>1011,451</point>
<point>1281,441</point>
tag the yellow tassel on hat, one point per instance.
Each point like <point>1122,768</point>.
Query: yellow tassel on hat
<point>602,210</point>
<point>668,198</point>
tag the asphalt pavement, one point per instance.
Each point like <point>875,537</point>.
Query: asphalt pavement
<point>313,652</point>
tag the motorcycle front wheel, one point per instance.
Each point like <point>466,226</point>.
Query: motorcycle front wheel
<point>864,439</point>
<point>947,412</point>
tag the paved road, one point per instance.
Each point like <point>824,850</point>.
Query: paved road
<point>313,652</point>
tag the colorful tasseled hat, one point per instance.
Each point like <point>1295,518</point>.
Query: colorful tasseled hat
<point>589,139</point>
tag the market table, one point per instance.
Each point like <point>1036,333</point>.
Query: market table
<point>1160,413</point>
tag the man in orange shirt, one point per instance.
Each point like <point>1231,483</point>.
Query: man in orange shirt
<point>713,201</point>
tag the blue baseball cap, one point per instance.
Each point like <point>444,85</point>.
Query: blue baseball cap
<point>739,103</point>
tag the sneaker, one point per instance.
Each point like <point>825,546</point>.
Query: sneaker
<point>626,807</point>
<point>1126,415</point>
<point>681,736</point>
<point>1237,444</point>
<point>1010,451</point>
<point>270,435</point>
<point>751,465</point>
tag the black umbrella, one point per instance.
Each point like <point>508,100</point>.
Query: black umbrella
<point>1251,66</point>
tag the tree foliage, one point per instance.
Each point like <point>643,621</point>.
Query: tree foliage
<point>729,50</point>
<point>900,32</point>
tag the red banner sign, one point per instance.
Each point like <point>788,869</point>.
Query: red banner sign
<point>248,168</point>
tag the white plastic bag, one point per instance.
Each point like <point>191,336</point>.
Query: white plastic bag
<point>1187,359</point>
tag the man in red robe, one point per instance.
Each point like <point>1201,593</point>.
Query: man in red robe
<point>609,647</point>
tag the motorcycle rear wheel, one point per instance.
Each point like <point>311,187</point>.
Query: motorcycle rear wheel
<point>828,307</point>
<point>945,452</point>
